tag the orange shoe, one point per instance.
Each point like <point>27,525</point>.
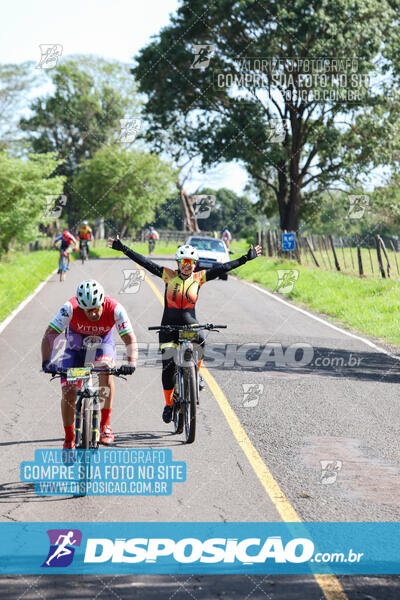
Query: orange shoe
<point>69,445</point>
<point>106,435</point>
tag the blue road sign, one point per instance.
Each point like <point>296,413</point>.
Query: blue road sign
<point>288,241</point>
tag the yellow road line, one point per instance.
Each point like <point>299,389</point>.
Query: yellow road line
<point>329,584</point>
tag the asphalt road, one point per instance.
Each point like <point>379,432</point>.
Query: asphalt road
<point>318,395</point>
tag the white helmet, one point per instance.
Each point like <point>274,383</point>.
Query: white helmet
<point>90,294</point>
<point>187,252</point>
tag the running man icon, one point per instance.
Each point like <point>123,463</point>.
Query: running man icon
<point>62,547</point>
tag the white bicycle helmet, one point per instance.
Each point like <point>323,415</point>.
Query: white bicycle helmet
<point>90,294</point>
<point>187,252</point>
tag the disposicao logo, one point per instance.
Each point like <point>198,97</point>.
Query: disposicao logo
<point>62,547</point>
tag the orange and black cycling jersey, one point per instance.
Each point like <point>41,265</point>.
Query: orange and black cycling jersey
<point>180,294</point>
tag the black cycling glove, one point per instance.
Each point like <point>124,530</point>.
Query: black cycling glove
<point>117,245</point>
<point>250,255</point>
<point>127,369</point>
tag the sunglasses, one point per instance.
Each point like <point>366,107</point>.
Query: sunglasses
<point>94,310</point>
<point>186,261</point>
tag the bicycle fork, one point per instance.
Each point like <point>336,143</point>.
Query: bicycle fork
<point>95,419</point>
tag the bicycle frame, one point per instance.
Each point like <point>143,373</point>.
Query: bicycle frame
<point>186,394</point>
<point>87,408</point>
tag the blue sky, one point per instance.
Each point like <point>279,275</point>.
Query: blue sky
<point>108,28</point>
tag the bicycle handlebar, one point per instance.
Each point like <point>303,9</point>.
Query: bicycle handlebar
<point>116,372</point>
<point>208,326</point>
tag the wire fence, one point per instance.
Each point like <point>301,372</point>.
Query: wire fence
<point>365,256</point>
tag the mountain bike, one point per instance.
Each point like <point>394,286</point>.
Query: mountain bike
<point>152,245</point>
<point>84,250</point>
<point>87,409</point>
<point>186,392</point>
<point>63,264</point>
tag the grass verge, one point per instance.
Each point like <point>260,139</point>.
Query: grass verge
<point>369,306</point>
<point>20,274</point>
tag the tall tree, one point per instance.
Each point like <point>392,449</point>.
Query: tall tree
<point>24,185</point>
<point>16,80</point>
<point>123,186</point>
<point>81,115</point>
<point>331,116</point>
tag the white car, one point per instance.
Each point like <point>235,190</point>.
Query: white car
<point>211,252</point>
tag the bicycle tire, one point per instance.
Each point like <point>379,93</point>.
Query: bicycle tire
<point>87,424</point>
<point>190,392</point>
<point>178,415</point>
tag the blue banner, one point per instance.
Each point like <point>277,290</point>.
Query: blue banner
<point>200,548</point>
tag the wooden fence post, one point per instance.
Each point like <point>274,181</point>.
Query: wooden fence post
<point>334,254</point>
<point>360,265</point>
<point>378,253</point>
<point>370,257</point>
<point>312,252</point>
<point>269,244</point>
<point>351,256</point>
<point>388,266</point>
<point>262,244</point>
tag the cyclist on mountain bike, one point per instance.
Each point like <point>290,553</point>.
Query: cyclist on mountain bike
<point>88,320</point>
<point>181,292</point>
<point>68,243</point>
<point>85,234</point>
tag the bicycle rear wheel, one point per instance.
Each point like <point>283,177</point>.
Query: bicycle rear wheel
<point>190,396</point>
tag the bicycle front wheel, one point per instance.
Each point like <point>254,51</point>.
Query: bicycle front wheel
<point>87,424</point>
<point>190,396</point>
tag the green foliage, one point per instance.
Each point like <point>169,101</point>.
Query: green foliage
<point>82,114</point>
<point>20,274</point>
<point>331,139</point>
<point>231,211</point>
<point>24,185</point>
<point>123,186</point>
<point>15,83</point>
<point>349,300</point>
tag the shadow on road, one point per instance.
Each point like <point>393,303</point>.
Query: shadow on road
<point>142,439</point>
<point>330,362</point>
<point>24,492</point>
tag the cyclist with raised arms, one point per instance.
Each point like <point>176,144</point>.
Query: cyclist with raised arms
<point>88,320</point>
<point>182,287</point>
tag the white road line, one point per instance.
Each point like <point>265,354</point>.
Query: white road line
<point>14,313</point>
<point>308,314</point>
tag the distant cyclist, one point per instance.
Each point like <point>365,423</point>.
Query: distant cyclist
<point>151,235</point>
<point>85,234</point>
<point>226,237</point>
<point>182,287</point>
<point>88,320</point>
<point>68,243</point>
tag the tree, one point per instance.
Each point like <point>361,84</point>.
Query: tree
<point>122,185</point>
<point>230,210</point>
<point>332,120</point>
<point>81,115</point>
<point>15,82</point>
<point>24,185</point>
